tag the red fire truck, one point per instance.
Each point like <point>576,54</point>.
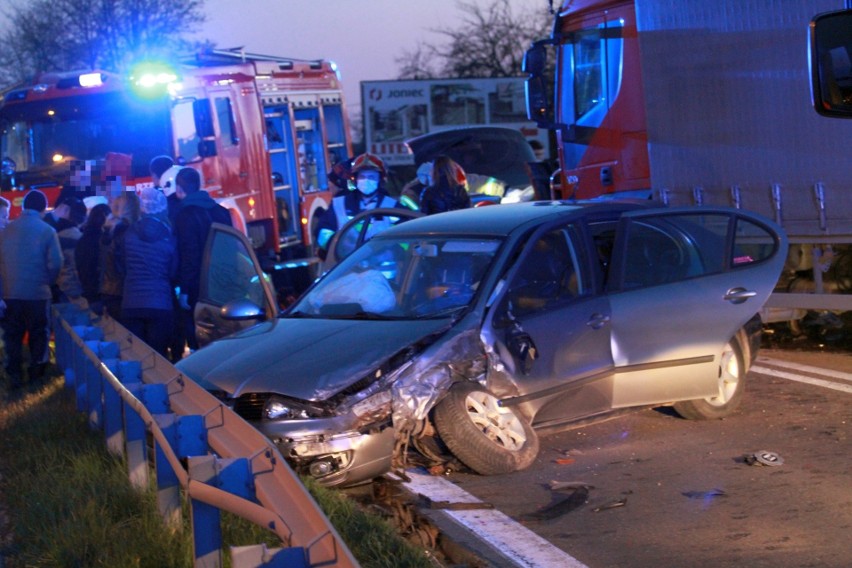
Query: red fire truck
<point>263,131</point>
<point>696,103</point>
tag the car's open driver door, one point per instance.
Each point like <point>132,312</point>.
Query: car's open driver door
<point>234,291</point>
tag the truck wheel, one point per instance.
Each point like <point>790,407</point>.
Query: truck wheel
<point>731,382</point>
<point>486,437</point>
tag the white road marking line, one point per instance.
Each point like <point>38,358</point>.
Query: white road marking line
<point>802,379</point>
<point>806,368</point>
<point>511,539</point>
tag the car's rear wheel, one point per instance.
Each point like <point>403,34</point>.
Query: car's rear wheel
<point>731,384</point>
<point>488,438</point>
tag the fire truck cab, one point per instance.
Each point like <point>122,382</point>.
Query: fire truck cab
<point>263,132</point>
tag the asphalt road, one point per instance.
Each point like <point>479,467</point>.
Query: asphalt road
<point>672,492</point>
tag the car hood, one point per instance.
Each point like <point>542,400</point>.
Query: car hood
<point>308,359</point>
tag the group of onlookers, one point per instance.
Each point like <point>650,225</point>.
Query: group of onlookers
<point>136,258</point>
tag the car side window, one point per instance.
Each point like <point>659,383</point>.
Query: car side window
<point>231,274</point>
<point>603,240</point>
<point>551,272</point>
<point>658,252</point>
<point>752,243</point>
<point>670,248</point>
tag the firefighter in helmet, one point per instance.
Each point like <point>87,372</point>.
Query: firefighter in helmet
<point>367,191</point>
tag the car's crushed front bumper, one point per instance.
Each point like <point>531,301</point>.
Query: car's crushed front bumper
<point>330,450</point>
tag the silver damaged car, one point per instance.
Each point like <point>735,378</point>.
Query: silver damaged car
<point>474,330</point>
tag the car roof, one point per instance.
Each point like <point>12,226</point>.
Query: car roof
<point>501,220</point>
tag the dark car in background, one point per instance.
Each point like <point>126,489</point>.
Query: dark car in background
<point>482,327</point>
<point>498,161</point>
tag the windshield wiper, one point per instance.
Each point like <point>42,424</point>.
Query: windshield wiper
<point>299,314</point>
<point>448,311</point>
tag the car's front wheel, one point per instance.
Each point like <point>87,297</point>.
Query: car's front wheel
<point>488,438</point>
<point>731,384</point>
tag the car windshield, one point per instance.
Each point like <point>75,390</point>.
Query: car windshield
<point>402,279</point>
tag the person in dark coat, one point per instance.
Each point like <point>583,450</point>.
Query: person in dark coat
<point>88,255</point>
<point>197,212</point>
<point>125,212</point>
<point>150,264</point>
<point>68,287</point>
<point>446,193</point>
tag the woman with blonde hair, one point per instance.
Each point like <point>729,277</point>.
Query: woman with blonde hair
<point>448,191</point>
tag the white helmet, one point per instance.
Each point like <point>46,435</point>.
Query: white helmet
<point>167,180</point>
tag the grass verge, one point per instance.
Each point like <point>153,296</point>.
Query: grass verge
<point>65,501</point>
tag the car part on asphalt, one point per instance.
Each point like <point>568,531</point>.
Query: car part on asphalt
<point>764,458</point>
<point>613,505</point>
<point>574,501</point>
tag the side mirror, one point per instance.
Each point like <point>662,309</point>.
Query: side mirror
<point>242,310</point>
<point>535,60</point>
<point>831,63</point>
<point>538,102</point>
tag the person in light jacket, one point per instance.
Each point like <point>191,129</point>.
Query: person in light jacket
<point>30,261</point>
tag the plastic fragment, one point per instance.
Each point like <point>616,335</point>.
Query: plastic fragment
<point>613,505</point>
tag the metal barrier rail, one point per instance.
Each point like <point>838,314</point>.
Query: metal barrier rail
<point>127,389</point>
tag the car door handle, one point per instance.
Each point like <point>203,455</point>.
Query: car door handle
<point>739,295</point>
<point>597,321</point>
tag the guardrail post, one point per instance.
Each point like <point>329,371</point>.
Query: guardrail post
<point>136,444</point>
<point>231,475</point>
<point>187,436</point>
<point>94,391</point>
<point>78,360</point>
<point>258,555</point>
<point>113,422</point>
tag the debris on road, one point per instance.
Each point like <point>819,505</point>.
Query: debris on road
<point>575,500</point>
<point>763,458</point>
<point>614,505</point>
<point>563,485</point>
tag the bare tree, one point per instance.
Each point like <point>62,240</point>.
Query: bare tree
<point>61,35</point>
<point>488,42</point>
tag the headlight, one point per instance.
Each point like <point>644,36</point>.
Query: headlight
<point>278,408</point>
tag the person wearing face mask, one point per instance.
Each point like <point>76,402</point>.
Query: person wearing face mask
<point>369,174</point>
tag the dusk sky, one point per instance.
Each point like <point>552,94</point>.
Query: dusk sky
<point>362,36</point>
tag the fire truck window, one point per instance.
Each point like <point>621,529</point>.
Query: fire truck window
<point>186,137</point>
<point>225,117</point>
<point>335,130</point>
<point>14,144</point>
<point>311,150</point>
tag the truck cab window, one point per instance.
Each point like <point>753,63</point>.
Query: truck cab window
<point>225,116</point>
<point>186,137</point>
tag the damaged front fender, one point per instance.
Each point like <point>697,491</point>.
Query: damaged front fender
<point>420,385</point>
